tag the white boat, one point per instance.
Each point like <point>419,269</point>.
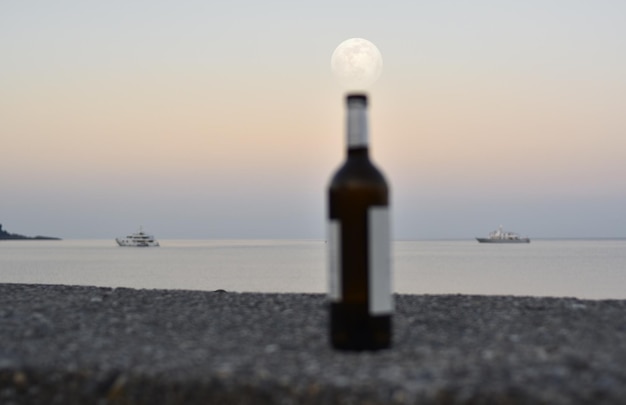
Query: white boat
<point>500,236</point>
<point>138,239</point>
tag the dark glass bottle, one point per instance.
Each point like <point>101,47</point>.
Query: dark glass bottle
<point>359,244</point>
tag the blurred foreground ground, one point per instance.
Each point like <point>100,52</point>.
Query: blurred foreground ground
<point>76,345</point>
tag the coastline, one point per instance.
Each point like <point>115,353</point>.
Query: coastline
<point>75,344</point>
<point>4,235</point>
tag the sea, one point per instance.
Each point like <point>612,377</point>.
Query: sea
<point>581,268</point>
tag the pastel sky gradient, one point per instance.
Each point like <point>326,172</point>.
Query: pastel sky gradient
<point>202,119</point>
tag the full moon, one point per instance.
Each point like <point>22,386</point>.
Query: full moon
<point>356,63</point>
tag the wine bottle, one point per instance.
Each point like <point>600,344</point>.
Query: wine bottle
<point>359,243</point>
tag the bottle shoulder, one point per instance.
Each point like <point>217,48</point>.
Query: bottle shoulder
<point>356,173</point>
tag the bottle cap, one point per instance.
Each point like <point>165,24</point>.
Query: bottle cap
<point>356,97</point>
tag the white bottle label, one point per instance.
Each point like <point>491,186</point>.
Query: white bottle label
<point>334,260</point>
<point>379,261</point>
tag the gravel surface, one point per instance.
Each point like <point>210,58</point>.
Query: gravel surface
<point>91,345</point>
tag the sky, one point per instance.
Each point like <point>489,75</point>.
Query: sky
<point>199,119</point>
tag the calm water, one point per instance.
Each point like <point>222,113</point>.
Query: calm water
<point>580,268</point>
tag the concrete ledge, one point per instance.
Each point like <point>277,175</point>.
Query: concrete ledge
<point>79,345</point>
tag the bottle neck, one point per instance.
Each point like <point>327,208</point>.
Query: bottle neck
<point>357,130</point>
<point>358,153</point>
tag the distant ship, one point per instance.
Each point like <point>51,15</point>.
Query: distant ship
<point>500,236</point>
<point>138,239</point>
